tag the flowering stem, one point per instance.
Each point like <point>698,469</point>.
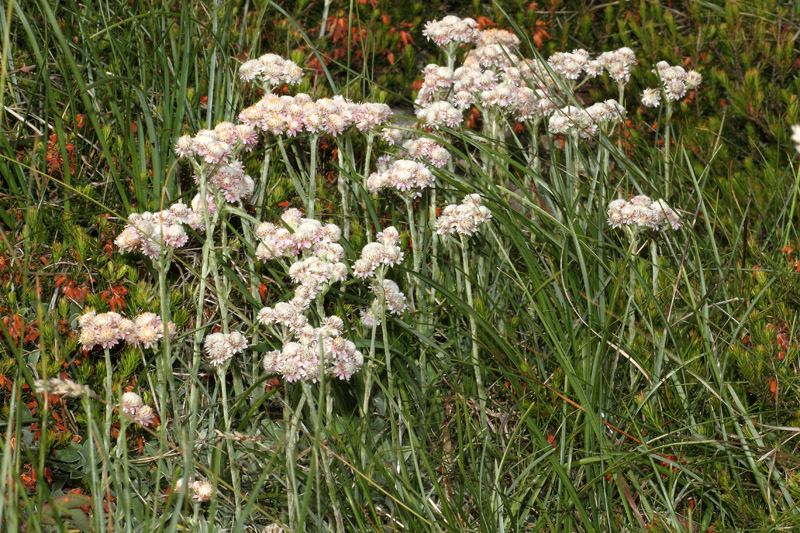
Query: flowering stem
<point>630,313</point>
<point>342,185</point>
<point>388,357</point>
<point>325,9</point>
<point>473,328</point>
<point>434,236</point>
<point>312,178</point>
<point>316,417</point>
<point>163,266</point>
<point>231,457</point>
<point>667,133</point>
<point>367,157</point>
<point>262,190</point>
<point>368,383</point>
<point>109,399</point>
<point>291,454</point>
<point>414,246</point>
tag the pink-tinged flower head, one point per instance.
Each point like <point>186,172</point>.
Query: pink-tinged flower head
<point>452,29</point>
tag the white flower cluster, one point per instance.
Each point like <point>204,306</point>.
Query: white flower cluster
<point>146,232</point>
<point>220,347</point>
<point>496,55</point>
<point>440,114</point>
<point>271,70</point>
<point>133,406</point>
<point>316,273</point>
<point>497,36</point>
<point>584,123</point>
<point>231,180</point>
<point>108,329</point>
<point>384,251</point>
<point>293,234</point>
<point>392,295</point>
<point>290,115</point>
<point>392,136</point>
<point>796,137</point>
<point>219,144</point>
<point>675,82</point>
<point>452,29</point>
<point>644,212</point>
<point>304,346</point>
<point>619,64</point>
<point>403,175</point>
<point>427,149</point>
<point>60,387</point>
<point>570,65</point>
<point>202,490</point>
<point>463,218</point>
<point>436,80</point>
<point>322,264</point>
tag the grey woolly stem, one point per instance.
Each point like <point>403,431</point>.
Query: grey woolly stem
<point>473,329</point>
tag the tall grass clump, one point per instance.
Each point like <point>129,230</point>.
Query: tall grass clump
<point>522,305</point>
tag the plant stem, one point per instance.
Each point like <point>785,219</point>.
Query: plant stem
<point>312,178</point>
<point>473,328</point>
<point>667,141</point>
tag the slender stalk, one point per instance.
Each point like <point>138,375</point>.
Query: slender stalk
<point>415,248</point>
<point>667,141</point>
<point>365,174</point>
<point>342,185</point>
<point>291,464</point>
<point>473,328</point>
<point>229,444</point>
<point>312,178</point>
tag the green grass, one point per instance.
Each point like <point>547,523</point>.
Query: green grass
<point>625,389</point>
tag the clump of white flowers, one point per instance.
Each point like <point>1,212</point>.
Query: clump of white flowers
<point>570,65</point>
<point>108,329</point>
<point>220,347</point>
<point>463,218</point>
<point>307,349</point>
<point>675,81</point>
<point>643,212</point>
<point>202,490</point>
<point>291,115</point>
<point>619,64</point>
<point>584,123</point>
<point>217,145</point>
<point>452,30</point>
<point>384,251</point>
<point>427,149</point>
<point>395,302</point>
<point>403,175</point>
<point>293,234</point>
<point>796,137</point>
<point>133,406</point>
<point>61,387</point>
<point>152,234</point>
<point>440,114</point>
<point>271,70</point>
